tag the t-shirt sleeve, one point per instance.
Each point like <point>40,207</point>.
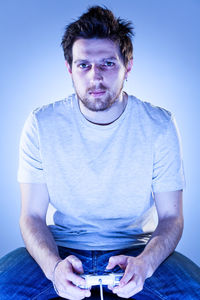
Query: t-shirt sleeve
<point>168,171</point>
<point>30,168</point>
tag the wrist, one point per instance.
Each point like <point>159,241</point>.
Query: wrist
<point>50,270</point>
<point>53,276</point>
<point>147,262</point>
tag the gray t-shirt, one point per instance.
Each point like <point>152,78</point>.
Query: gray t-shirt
<point>101,179</point>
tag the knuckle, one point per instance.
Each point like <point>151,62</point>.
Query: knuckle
<point>74,260</point>
<point>127,295</point>
<point>123,295</point>
<point>67,283</point>
<point>140,284</point>
<point>63,294</point>
<point>114,257</point>
<point>139,290</point>
<point>78,263</point>
<point>122,256</point>
<point>71,257</point>
<point>70,278</point>
<point>111,259</point>
<point>80,297</point>
<point>140,287</point>
<point>130,259</point>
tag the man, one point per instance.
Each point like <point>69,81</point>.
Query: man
<point>111,166</point>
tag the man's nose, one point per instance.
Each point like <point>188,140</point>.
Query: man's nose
<point>96,73</point>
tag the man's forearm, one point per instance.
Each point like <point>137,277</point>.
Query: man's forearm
<point>162,243</point>
<point>40,243</point>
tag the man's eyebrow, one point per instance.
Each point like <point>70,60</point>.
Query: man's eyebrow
<point>110,58</point>
<point>77,61</point>
<point>80,61</point>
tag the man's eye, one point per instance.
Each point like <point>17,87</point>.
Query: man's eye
<point>109,64</point>
<point>83,66</point>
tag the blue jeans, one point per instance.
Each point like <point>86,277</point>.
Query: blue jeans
<point>22,279</point>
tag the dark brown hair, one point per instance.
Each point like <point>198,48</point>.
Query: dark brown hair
<point>99,22</point>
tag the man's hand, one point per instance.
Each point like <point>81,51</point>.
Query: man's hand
<point>66,279</point>
<point>135,273</point>
<point>161,244</point>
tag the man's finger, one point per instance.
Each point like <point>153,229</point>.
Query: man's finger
<point>76,279</point>
<point>76,263</point>
<point>73,292</point>
<point>128,274</point>
<point>116,260</point>
<point>133,287</point>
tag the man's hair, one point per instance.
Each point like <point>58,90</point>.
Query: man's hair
<point>99,22</point>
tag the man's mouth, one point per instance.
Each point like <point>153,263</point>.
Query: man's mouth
<point>97,93</point>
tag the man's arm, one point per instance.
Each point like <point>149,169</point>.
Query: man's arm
<point>162,243</point>
<point>41,245</point>
<point>37,237</point>
<point>169,230</point>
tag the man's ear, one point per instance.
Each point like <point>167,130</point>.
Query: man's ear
<point>68,67</point>
<point>129,67</point>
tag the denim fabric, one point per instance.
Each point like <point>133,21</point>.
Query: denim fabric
<point>22,279</point>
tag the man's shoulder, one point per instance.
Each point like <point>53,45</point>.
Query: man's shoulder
<point>150,112</point>
<point>54,108</point>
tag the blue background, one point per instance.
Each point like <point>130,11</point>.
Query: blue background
<point>166,72</point>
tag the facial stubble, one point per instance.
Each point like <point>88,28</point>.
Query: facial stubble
<point>98,104</point>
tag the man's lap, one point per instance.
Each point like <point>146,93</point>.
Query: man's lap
<point>21,278</point>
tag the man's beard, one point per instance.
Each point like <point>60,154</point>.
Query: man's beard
<point>98,104</point>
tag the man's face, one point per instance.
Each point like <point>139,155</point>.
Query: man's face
<point>98,72</point>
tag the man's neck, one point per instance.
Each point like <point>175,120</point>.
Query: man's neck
<point>108,116</point>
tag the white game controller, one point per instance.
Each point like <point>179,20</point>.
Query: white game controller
<point>111,279</point>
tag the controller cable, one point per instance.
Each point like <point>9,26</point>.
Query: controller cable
<point>101,289</point>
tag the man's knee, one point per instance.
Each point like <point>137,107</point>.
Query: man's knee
<point>21,277</point>
<point>10,259</point>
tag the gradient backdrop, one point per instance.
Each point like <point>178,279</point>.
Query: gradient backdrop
<point>32,72</point>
